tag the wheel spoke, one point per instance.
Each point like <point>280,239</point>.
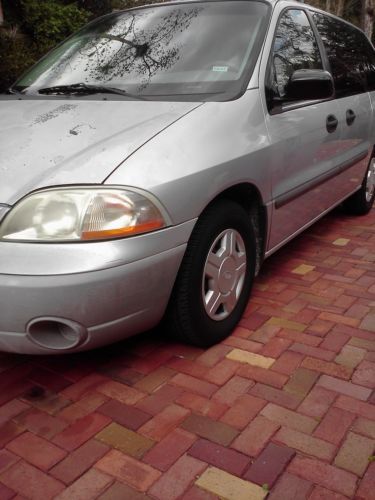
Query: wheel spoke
<point>240,274</point>
<point>230,301</point>
<point>213,265</point>
<point>229,243</point>
<point>213,300</point>
<point>240,259</point>
<point>232,244</point>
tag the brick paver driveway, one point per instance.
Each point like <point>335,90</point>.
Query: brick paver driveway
<point>284,407</point>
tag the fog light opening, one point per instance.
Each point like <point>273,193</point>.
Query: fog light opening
<point>56,333</point>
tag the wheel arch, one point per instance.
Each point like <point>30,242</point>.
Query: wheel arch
<point>249,198</point>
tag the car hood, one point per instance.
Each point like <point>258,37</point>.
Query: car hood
<point>56,142</point>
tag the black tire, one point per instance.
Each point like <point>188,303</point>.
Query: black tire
<point>187,319</point>
<point>361,202</point>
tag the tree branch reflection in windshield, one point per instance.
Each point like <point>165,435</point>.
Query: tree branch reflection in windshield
<point>142,51</point>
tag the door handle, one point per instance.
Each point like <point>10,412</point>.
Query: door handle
<point>350,117</point>
<point>331,123</point>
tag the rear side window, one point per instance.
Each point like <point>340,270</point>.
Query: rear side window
<point>294,48</point>
<point>350,55</point>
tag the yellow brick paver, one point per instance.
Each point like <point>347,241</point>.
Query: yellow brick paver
<point>125,440</point>
<point>354,453</point>
<point>303,269</point>
<point>341,242</point>
<point>362,343</point>
<point>229,487</point>
<point>286,323</point>
<point>350,356</point>
<point>250,358</point>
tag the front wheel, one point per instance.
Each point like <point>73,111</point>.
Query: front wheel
<point>361,202</point>
<point>214,281</point>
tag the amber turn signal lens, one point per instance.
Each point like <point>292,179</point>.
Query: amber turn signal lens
<point>126,231</point>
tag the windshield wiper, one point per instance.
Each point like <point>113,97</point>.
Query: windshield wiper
<point>86,89</point>
<point>12,91</point>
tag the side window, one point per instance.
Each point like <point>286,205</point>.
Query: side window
<point>294,48</point>
<point>349,53</point>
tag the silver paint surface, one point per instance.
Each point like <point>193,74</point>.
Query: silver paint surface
<point>55,142</point>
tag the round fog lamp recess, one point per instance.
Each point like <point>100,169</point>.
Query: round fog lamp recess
<point>56,333</point>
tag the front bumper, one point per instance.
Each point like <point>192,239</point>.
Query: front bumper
<point>106,293</point>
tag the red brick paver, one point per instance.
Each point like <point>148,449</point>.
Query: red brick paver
<point>284,408</point>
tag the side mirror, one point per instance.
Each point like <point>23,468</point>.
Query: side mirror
<point>309,84</point>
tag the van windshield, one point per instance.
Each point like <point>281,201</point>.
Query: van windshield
<point>186,51</point>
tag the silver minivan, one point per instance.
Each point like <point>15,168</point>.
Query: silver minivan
<point>150,163</point>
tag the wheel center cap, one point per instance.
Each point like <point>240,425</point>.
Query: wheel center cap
<point>227,275</point>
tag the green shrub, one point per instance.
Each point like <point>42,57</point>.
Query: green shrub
<point>48,21</point>
<point>44,23</point>
<point>96,7</point>
<point>17,53</point>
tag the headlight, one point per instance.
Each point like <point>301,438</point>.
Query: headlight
<point>71,214</point>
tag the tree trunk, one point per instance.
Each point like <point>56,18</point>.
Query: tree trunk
<point>328,5</point>
<point>340,8</point>
<point>1,14</point>
<point>368,17</point>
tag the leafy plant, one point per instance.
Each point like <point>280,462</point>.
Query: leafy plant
<point>32,27</point>
<point>17,53</point>
<point>49,21</point>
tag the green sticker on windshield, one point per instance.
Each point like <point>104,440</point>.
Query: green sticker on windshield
<point>221,69</point>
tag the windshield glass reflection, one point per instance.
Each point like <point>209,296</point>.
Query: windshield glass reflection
<point>181,49</point>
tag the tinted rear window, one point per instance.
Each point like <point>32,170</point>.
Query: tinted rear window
<point>350,55</point>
